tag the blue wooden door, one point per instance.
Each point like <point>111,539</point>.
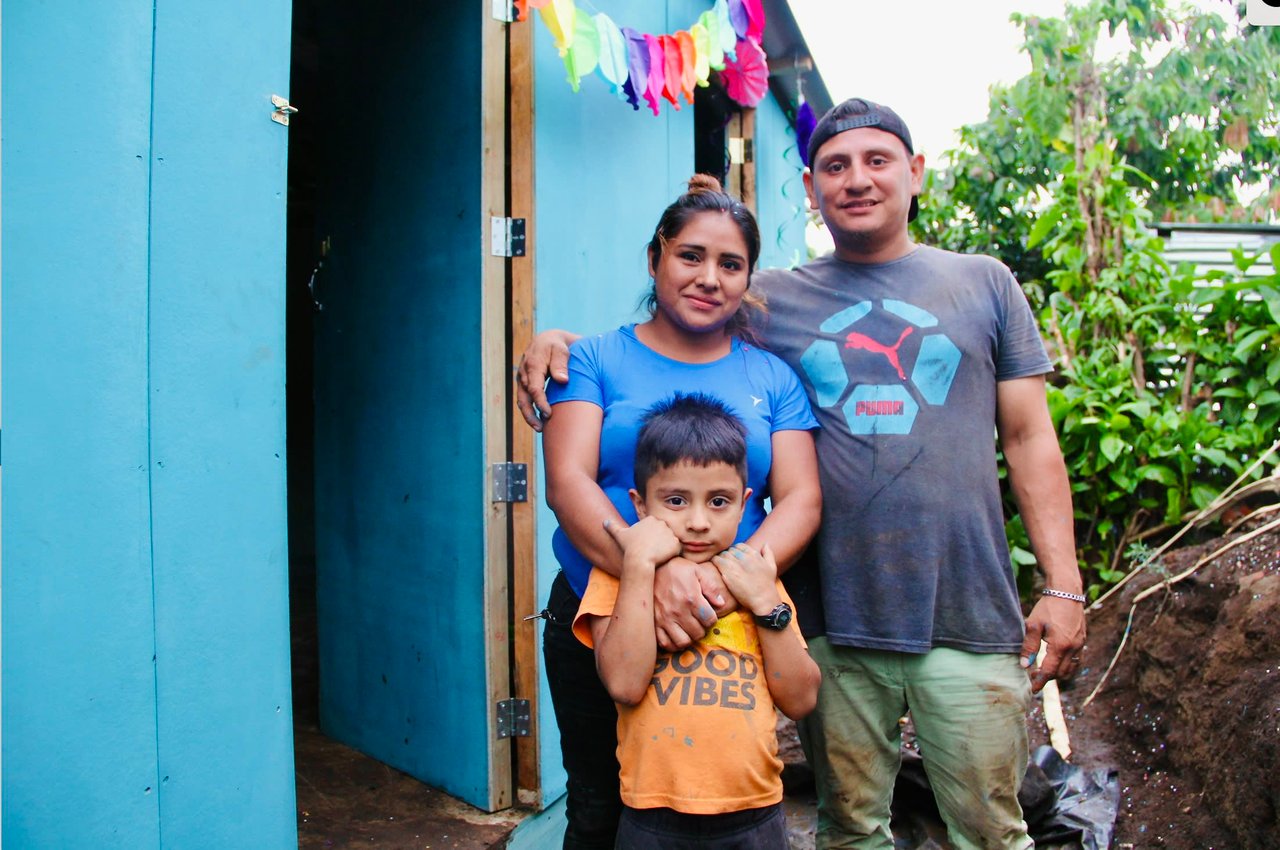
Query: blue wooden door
<point>146,689</point>
<point>410,613</point>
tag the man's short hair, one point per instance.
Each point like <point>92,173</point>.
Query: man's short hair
<point>689,428</point>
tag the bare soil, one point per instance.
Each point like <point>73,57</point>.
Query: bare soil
<point>1189,717</point>
<point>1190,713</point>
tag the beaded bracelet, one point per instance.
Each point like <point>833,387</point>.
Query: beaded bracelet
<point>1062,594</point>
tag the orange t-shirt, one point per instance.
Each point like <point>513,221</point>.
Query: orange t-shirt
<point>703,739</point>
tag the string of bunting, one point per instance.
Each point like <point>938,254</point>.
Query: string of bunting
<point>725,39</point>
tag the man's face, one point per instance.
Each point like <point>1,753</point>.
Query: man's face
<point>701,504</point>
<point>862,182</point>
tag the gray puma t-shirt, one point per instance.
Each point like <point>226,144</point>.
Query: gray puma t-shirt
<point>901,361</point>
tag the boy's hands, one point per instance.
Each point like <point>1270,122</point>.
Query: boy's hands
<point>648,542</point>
<point>688,598</point>
<point>751,576</point>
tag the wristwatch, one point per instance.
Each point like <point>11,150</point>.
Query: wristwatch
<point>777,619</point>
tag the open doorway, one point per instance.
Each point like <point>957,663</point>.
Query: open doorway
<point>398,332</point>
<point>724,142</point>
<point>303,268</point>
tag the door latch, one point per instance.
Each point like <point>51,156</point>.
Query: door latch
<point>282,110</point>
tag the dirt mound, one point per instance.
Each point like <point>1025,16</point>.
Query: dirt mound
<point>1190,715</point>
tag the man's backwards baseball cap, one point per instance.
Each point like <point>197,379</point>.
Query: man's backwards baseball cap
<point>853,114</point>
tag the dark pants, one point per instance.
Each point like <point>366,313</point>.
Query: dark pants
<point>588,722</point>
<point>665,829</point>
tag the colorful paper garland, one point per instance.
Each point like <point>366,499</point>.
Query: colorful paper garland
<point>636,65</point>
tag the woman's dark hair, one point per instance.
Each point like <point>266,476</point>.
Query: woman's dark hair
<point>705,194</point>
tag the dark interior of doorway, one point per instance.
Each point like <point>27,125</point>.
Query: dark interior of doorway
<point>344,798</point>
<point>304,265</point>
<point>712,111</point>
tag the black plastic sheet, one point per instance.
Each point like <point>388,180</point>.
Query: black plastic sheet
<point>1065,806</point>
<point>1084,803</point>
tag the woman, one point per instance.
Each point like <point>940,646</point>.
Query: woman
<point>701,257</point>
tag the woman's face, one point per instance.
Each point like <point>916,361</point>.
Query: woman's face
<point>702,274</point>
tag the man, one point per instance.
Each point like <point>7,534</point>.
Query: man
<point>912,357</point>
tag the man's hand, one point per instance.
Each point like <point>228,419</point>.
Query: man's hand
<point>1060,624</point>
<point>682,612</point>
<point>547,356</point>
<point>751,576</point>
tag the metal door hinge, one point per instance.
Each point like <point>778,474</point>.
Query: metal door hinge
<point>513,718</point>
<point>282,110</point>
<point>506,237</point>
<point>504,10</point>
<point>511,482</point>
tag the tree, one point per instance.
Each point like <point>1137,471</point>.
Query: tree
<point>1166,379</point>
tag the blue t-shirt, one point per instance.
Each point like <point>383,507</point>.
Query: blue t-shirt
<point>624,377</point>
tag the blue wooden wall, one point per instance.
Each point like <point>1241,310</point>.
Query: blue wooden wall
<point>780,199</point>
<point>604,174</point>
<point>145,633</point>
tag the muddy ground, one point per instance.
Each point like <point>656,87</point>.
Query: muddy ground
<point>1189,718</point>
<point>1190,714</point>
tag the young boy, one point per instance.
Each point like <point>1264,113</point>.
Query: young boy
<point>696,739</point>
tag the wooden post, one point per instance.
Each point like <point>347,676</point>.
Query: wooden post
<point>497,383</point>
<point>741,139</point>
<point>524,579</point>
<point>748,194</point>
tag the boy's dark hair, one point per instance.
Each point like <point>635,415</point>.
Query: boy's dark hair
<point>691,428</point>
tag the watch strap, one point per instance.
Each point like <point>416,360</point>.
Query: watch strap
<point>777,619</point>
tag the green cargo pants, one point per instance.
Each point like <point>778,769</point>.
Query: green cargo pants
<point>969,711</point>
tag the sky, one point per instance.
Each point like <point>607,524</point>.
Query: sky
<point>932,61</point>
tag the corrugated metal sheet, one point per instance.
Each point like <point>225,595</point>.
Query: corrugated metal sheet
<point>1211,246</point>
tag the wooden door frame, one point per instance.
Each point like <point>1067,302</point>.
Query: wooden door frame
<point>511,649</point>
<point>740,139</point>
<point>523,443</point>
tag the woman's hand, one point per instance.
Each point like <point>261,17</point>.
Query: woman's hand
<point>682,612</point>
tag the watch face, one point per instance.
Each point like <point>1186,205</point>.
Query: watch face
<point>778,619</point>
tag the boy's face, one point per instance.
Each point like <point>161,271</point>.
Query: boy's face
<point>702,505</point>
